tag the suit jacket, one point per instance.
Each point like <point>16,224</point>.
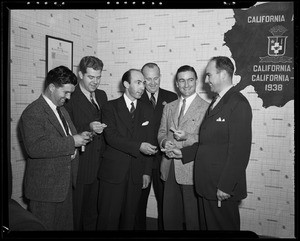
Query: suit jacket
<point>164,97</point>
<point>49,166</point>
<point>190,123</point>
<point>82,113</point>
<point>224,148</point>
<point>124,136</point>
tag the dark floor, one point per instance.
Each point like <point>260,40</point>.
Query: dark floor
<point>152,225</point>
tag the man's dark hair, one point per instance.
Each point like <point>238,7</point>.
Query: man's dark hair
<point>224,63</point>
<point>60,76</point>
<point>127,75</point>
<point>90,62</point>
<point>185,68</point>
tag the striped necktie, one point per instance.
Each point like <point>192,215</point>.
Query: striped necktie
<point>152,100</point>
<point>93,102</point>
<point>213,103</point>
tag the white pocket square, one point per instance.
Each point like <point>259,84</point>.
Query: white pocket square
<point>220,119</point>
<point>145,123</point>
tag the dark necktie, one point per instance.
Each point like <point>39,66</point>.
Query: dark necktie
<point>63,120</point>
<point>211,106</point>
<point>181,111</point>
<point>132,109</point>
<point>152,100</point>
<point>93,102</point>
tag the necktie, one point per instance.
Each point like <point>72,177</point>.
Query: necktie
<point>181,111</point>
<point>63,120</point>
<point>213,102</point>
<point>152,100</point>
<point>132,109</point>
<point>93,102</point>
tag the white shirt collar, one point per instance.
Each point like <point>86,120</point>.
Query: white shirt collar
<point>128,102</point>
<point>188,101</point>
<point>85,92</point>
<point>53,107</point>
<point>155,94</point>
<point>50,103</point>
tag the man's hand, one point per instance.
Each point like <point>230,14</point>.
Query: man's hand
<point>82,139</point>
<point>97,127</point>
<point>222,195</point>
<point>180,135</point>
<point>146,181</point>
<point>148,149</point>
<point>174,153</point>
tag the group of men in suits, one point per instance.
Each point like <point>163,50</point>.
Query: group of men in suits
<point>147,135</point>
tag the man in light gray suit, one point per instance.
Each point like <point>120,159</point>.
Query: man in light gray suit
<point>179,127</point>
<point>50,140</point>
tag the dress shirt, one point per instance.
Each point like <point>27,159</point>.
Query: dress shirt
<point>53,107</point>
<point>128,102</point>
<point>188,102</point>
<point>221,94</point>
<point>88,94</point>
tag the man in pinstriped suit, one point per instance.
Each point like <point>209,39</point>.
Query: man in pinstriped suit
<point>85,111</point>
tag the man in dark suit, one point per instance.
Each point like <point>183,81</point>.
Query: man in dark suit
<point>85,111</point>
<point>157,98</point>
<point>50,140</point>
<point>223,151</point>
<point>127,162</point>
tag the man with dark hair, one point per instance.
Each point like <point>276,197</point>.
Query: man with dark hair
<point>157,98</point>
<point>85,108</point>
<point>179,128</point>
<point>222,154</point>
<point>127,163</point>
<point>50,140</point>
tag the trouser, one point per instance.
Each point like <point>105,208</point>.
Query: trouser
<point>118,204</point>
<point>158,187</point>
<point>56,216</point>
<point>85,206</point>
<point>180,205</point>
<point>212,217</point>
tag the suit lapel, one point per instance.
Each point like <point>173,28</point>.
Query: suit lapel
<point>51,116</point>
<point>84,102</point>
<point>175,112</point>
<point>137,117</point>
<point>124,113</point>
<point>194,107</point>
<point>221,103</point>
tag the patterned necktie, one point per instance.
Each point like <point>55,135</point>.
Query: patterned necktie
<point>63,120</point>
<point>212,103</point>
<point>132,109</point>
<point>181,111</point>
<point>152,100</point>
<point>93,102</point>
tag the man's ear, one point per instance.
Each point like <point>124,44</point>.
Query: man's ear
<point>52,87</point>
<point>80,75</point>
<point>126,84</point>
<point>223,74</point>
